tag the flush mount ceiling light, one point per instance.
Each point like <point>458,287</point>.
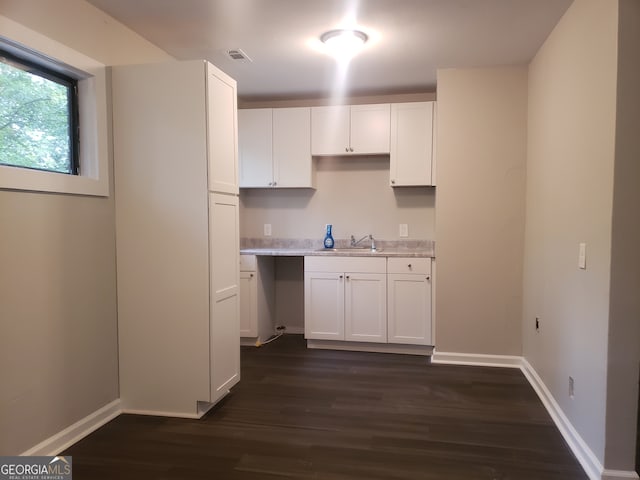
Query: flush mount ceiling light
<point>344,42</point>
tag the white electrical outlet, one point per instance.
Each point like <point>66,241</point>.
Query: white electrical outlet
<point>582,256</point>
<point>404,230</point>
<point>572,385</point>
<point>267,229</point>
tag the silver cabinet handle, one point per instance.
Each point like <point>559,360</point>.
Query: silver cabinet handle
<point>351,149</point>
<point>271,184</point>
<point>275,183</point>
<point>346,149</point>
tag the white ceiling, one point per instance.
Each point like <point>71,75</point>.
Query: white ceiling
<point>410,39</point>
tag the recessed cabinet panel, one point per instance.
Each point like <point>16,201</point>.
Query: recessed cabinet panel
<point>225,343</point>
<point>366,307</point>
<point>411,144</point>
<point>255,147</point>
<point>248,305</point>
<point>370,128</point>
<point>222,131</point>
<point>324,306</point>
<point>330,130</point>
<point>292,164</point>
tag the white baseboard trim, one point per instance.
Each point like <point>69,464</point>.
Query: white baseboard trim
<point>617,474</point>
<point>579,447</point>
<point>158,413</point>
<point>477,360</point>
<point>76,432</point>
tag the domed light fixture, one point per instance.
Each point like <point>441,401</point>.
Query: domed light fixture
<point>344,43</point>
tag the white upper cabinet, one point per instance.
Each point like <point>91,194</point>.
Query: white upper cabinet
<point>411,144</point>
<point>275,148</point>
<point>255,135</point>
<point>292,164</point>
<point>330,130</point>
<point>370,128</point>
<point>350,130</point>
<point>222,126</point>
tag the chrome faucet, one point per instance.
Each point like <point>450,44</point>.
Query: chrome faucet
<point>354,242</point>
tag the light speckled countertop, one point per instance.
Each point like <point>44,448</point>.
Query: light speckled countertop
<point>306,247</point>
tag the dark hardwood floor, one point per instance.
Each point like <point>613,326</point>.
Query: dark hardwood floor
<point>312,414</point>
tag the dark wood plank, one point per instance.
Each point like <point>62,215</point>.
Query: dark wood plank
<point>314,414</point>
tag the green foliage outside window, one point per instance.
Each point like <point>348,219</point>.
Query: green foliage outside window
<point>35,120</point>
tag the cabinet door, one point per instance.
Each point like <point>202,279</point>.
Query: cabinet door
<point>224,274</point>
<point>411,143</point>
<point>292,147</point>
<point>248,305</point>
<point>324,306</point>
<point>370,128</point>
<point>222,131</point>
<point>330,130</point>
<point>365,300</point>
<point>409,315</point>
<point>255,147</point>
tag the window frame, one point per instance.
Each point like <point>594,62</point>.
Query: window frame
<point>93,115</point>
<point>43,70</point>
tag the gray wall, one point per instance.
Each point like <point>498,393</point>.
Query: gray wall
<point>58,325</point>
<point>482,116</point>
<point>570,186</point>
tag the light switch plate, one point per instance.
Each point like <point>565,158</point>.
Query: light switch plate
<point>267,229</point>
<point>404,230</point>
<point>582,256</point>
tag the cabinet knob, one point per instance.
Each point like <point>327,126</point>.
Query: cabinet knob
<point>275,183</point>
<point>271,184</point>
<point>340,276</point>
<point>346,149</point>
<point>351,149</point>
<point>428,277</point>
<point>409,266</point>
<point>251,275</point>
<point>347,277</point>
<point>393,182</point>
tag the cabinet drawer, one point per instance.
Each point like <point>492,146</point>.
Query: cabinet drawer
<point>248,263</point>
<point>345,264</point>
<point>409,265</point>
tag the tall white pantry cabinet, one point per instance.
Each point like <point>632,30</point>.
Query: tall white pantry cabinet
<point>177,237</point>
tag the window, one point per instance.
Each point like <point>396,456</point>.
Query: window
<point>86,147</point>
<point>38,116</point>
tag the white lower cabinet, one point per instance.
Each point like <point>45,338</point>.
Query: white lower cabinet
<point>345,299</point>
<point>365,307</point>
<point>257,296</point>
<point>323,305</point>
<point>365,299</point>
<point>409,301</point>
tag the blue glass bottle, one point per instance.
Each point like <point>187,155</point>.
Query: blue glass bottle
<point>328,238</point>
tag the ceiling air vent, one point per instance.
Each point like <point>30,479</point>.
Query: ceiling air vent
<point>237,55</point>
